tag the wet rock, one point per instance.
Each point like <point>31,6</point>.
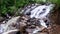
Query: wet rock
<point>2,19</point>
<point>27,24</point>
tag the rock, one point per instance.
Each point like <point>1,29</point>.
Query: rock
<point>2,19</point>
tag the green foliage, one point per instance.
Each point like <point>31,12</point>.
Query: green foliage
<point>5,6</point>
<point>11,6</point>
<point>39,1</point>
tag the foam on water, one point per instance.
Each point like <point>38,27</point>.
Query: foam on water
<point>35,11</point>
<point>40,12</point>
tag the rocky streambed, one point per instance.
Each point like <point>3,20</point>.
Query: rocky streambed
<point>34,19</point>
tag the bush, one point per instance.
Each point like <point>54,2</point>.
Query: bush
<point>11,6</point>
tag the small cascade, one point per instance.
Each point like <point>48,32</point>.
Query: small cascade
<point>35,18</point>
<point>39,11</point>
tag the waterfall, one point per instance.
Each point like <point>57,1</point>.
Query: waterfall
<point>37,11</point>
<point>40,12</point>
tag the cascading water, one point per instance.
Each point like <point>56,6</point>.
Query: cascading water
<point>34,11</point>
<point>40,12</point>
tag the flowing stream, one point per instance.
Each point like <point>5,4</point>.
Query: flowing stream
<point>35,11</point>
<point>39,11</point>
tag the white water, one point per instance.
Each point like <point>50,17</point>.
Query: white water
<point>40,12</point>
<point>37,12</point>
